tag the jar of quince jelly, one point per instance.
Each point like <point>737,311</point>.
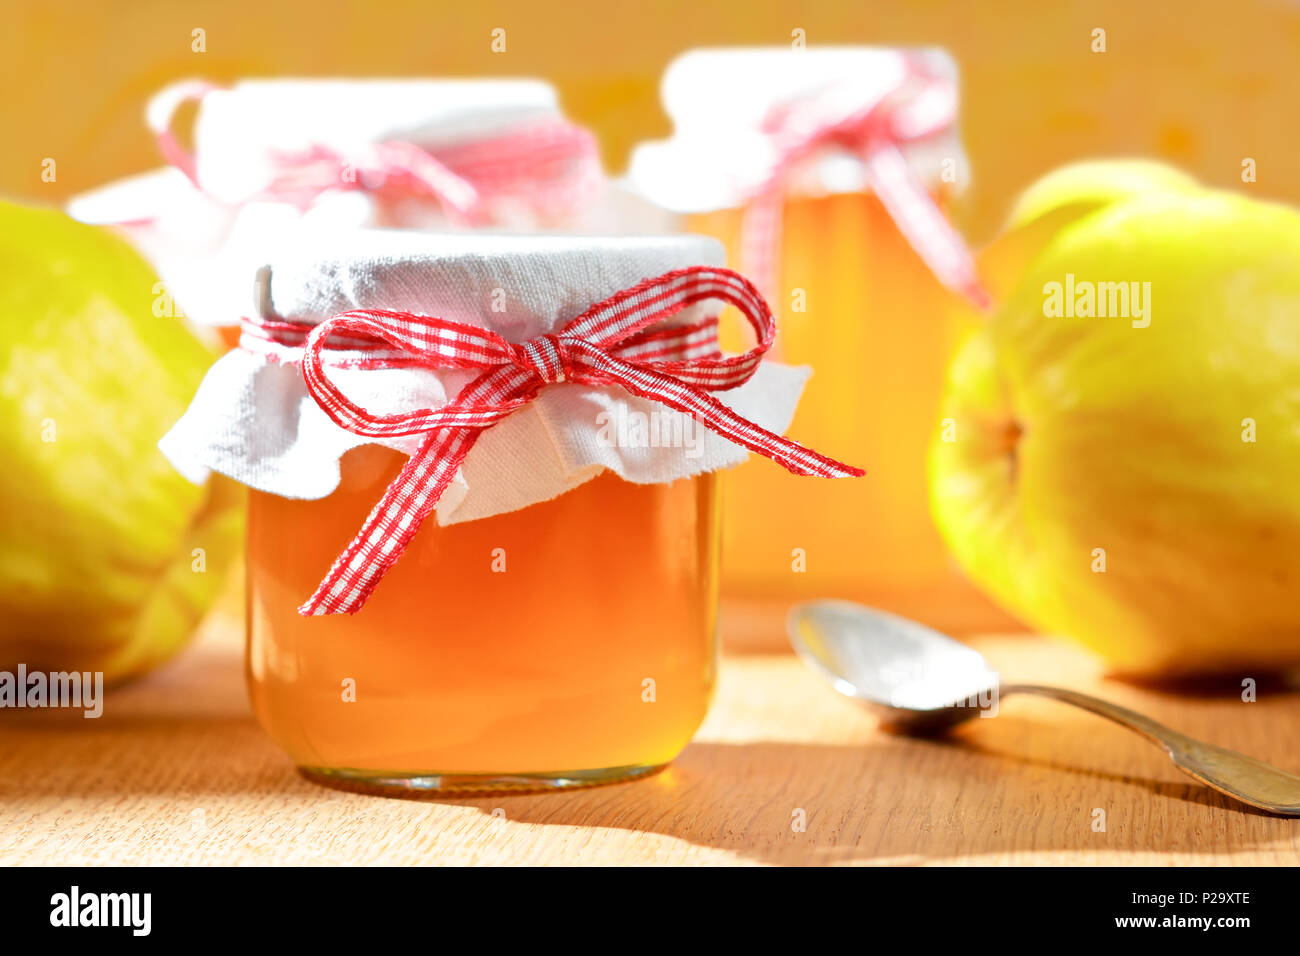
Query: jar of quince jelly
<point>827,173</point>
<point>549,620</point>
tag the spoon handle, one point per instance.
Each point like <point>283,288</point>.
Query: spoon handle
<point>1243,778</point>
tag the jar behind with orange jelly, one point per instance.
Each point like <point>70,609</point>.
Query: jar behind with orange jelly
<point>826,173</point>
<point>551,623</point>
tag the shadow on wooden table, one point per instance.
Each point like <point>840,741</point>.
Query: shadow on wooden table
<point>798,803</point>
<point>130,755</point>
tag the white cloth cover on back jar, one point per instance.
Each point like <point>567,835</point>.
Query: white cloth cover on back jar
<point>254,420</point>
<point>205,236</point>
<point>720,98</point>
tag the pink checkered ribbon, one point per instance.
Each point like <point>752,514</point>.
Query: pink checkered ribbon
<point>159,114</point>
<point>920,106</point>
<point>609,345</point>
<point>549,164</point>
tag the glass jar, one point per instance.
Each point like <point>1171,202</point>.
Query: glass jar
<point>877,331</point>
<point>551,622</point>
<point>567,643</point>
<point>855,301</point>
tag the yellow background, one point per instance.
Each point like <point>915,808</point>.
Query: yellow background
<point>1200,84</point>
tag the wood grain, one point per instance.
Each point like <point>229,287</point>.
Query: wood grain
<point>177,771</point>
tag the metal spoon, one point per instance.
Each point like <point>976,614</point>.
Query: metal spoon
<point>921,681</point>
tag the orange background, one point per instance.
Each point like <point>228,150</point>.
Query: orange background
<point>1200,84</point>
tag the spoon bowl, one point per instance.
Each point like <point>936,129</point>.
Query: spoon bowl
<point>914,678</point>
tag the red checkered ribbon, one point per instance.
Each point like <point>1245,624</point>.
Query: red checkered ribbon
<point>548,164</point>
<point>920,106</point>
<point>609,345</point>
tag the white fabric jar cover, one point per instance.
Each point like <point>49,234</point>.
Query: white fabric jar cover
<point>206,229</point>
<point>719,99</point>
<point>753,126</point>
<point>254,420</point>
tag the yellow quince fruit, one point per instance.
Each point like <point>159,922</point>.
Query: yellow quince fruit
<point>1119,461</point>
<point>108,557</point>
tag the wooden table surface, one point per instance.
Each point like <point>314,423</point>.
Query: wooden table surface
<point>177,771</point>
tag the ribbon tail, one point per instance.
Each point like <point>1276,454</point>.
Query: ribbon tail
<point>760,239</point>
<point>928,230</point>
<point>457,196</point>
<point>789,454</point>
<point>715,416</point>
<point>391,524</point>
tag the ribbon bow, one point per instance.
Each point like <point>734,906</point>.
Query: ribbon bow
<point>607,345</point>
<point>920,105</point>
<point>549,163</point>
<point>397,169</point>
